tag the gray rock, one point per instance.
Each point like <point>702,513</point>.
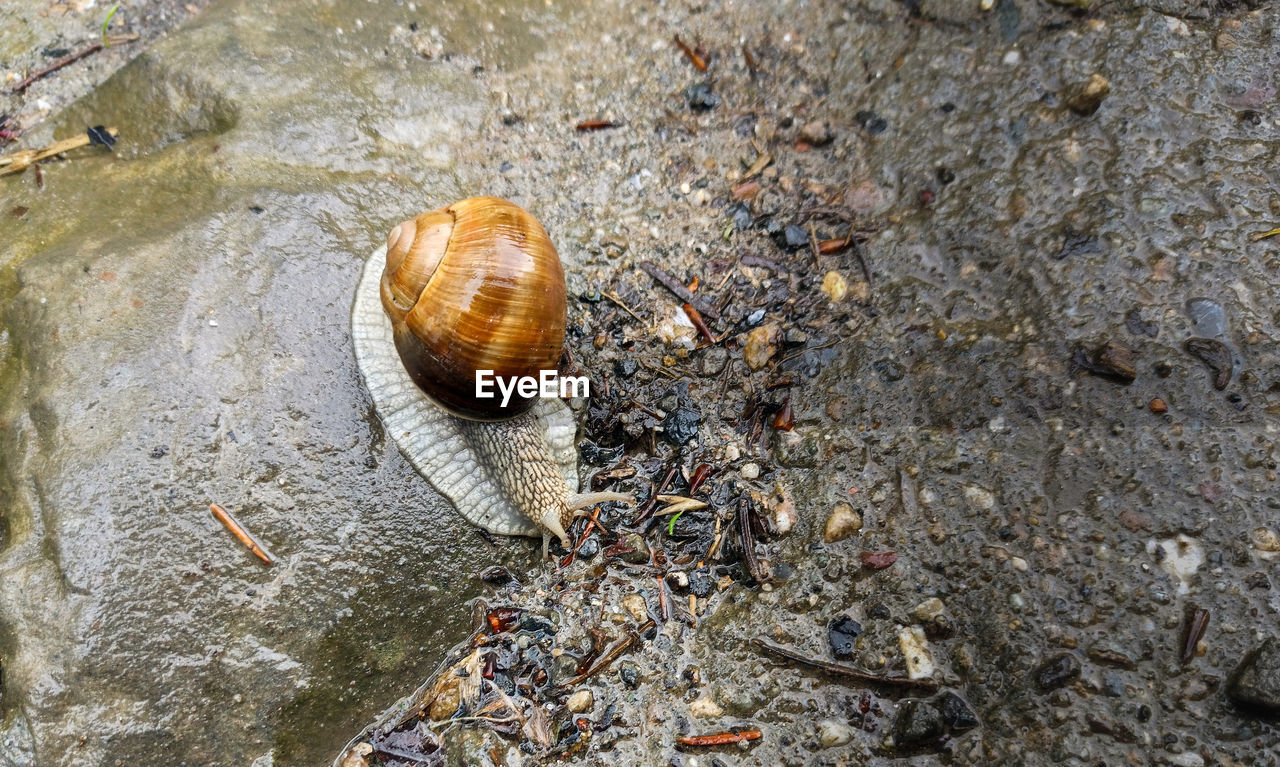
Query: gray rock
<point>918,722</point>
<point>1255,684</point>
<point>1057,671</point>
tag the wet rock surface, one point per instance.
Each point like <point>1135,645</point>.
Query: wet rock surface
<point>1256,683</point>
<point>175,333</point>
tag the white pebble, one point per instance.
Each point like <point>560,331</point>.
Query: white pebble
<point>750,470</point>
<point>581,701</point>
<point>915,650</point>
<point>833,733</point>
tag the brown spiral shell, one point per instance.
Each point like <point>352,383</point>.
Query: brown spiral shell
<point>476,285</point>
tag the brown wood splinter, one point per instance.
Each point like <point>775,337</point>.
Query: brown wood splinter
<point>241,534</point>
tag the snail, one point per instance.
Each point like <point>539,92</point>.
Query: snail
<point>474,286</point>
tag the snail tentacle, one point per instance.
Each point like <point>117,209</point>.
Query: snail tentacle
<point>579,501</point>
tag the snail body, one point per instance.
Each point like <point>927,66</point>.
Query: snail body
<point>473,286</point>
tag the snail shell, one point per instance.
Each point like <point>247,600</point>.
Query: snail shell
<point>474,286</point>
<point>437,443</point>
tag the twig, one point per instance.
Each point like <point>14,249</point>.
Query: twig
<point>697,61</point>
<point>647,511</point>
<point>681,292</point>
<point>1260,236</point>
<point>19,161</point>
<point>594,125</point>
<point>70,58</point>
<point>613,654</point>
<point>241,534</point>
<point>618,301</point>
<point>719,739</point>
<point>696,318</point>
<point>586,532</point>
<point>746,543</point>
<point>839,669</point>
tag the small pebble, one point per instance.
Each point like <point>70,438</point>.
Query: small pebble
<point>1266,540</point>
<point>929,608</point>
<point>833,733</point>
<point>581,701</point>
<point>842,634</point>
<point>918,722</point>
<point>750,470</point>
<point>817,133</point>
<point>759,348</point>
<point>701,98</point>
<point>705,708</point>
<point>635,605</point>
<point>915,650</point>
<point>795,237</point>
<point>843,522</point>
<point>785,517</point>
<point>1085,98</point>
<point>835,286</point>
<point>629,673</point>
<point>1058,671</point>
<point>1158,405</point>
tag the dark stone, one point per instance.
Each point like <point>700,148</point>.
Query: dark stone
<point>1111,361</point>
<point>870,121</point>
<point>1057,671</point>
<point>1078,244</point>
<point>1111,656</point>
<point>772,227</point>
<point>700,583</point>
<point>160,451</point>
<point>639,550</point>
<point>701,97</point>
<point>496,575</point>
<point>889,370</point>
<point>589,548</point>
<point>1215,355</point>
<point>956,713</point>
<point>681,425</point>
<point>842,632</point>
<point>741,215</point>
<point>629,672</point>
<point>879,612</point>
<point>795,337</point>
<point>626,368</point>
<point>918,722</point>
<point>594,455</point>
<point>795,237</point>
<point>946,175</point>
<point>1255,684</point>
<point>1138,326</point>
